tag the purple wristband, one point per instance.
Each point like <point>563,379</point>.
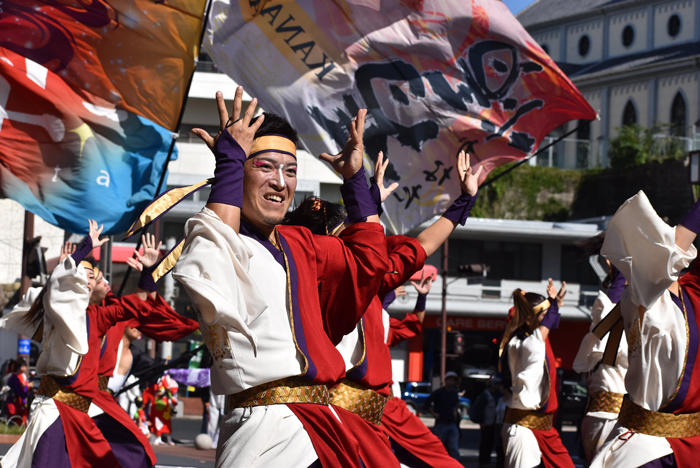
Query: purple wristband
<point>83,250</point>
<point>552,316</point>
<point>376,195</point>
<point>357,198</point>
<point>227,187</point>
<point>692,219</point>
<point>388,299</point>
<point>420,302</point>
<point>146,281</point>
<point>617,285</point>
<point>459,211</point>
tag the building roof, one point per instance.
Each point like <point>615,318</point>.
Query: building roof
<point>633,61</point>
<point>543,11</point>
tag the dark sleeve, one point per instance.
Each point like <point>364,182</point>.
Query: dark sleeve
<point>350,269</point>
<point>142,363</point>
<point>400,330</point>
<point>406,256</point>
<point>429,401</point>
<point>163,323</point>
<point>115,310</point>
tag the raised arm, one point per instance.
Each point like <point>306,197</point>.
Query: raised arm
<point>145,263</point>
<point>689,227</point>
<point>231,146</point>
<point>552,316</point>
<point>434,236</point>
<point>412,324</point>
<point>348,163</point>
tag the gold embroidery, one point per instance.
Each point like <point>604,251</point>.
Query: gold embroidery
<point>607,402</point>
<point>216,339</point>
<point>367,404</point>
<point>50,388</point>
<point>102,382</point>
<point>530,419</point>
<point>652,423</point>
<point>288,390</point>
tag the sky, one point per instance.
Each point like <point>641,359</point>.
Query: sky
<point>516,6</point>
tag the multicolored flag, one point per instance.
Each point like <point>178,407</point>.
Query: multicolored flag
<point>437,77</point>
<point>90,93</point>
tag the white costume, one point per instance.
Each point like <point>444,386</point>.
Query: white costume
<point>244,317</point>
<point>596,425</point>
<point>65,339</point>
<point>529,390</point>
<point>643,248</point>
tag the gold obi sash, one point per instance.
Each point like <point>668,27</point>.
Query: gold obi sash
<point>279,392</point>
<point>50,388</point>
<point>367,404</point>
<point>607,402</point>
<point>530,419</point>
<point>102,382</point>
<point>643,421</point>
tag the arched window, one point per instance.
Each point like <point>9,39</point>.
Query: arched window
<point>678,122</point>
<point>627,36</point>
<point>629,116</point>
<point>584,45</point>
<point>674,25</point>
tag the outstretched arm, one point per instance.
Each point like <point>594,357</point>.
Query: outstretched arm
<point>434,236</point>
<point>552,317</point>
<point>145,264</point>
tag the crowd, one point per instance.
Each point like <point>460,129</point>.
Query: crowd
<point>292,308</point>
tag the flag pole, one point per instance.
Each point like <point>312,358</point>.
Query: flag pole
<point>524,160</point>
<point>174,135</point>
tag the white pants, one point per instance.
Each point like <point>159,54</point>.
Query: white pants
<point>520,446</point>
<point>44,413</point>
<point>594,433</point>
<point>263,437</point>
<point>630,451</point>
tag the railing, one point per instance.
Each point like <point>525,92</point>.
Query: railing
<point>205,66</point>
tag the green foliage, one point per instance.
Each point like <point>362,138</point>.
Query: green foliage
<point>635,145</point>
<point>529,192</point>
<point>13,429</point>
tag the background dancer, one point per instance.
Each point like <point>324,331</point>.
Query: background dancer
<point>529,369</point>
<point>606,383</point>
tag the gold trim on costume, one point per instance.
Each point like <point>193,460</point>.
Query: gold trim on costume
<point>162,204</point>
<point>168,263</point>
<point>668,425</point>
<point>279,392</point>
<point>607,402</point>
<point>273,144</point>
<point>366,403</point>
<point>685,358</point>
<point>530,419</point>
<point>50,388</point>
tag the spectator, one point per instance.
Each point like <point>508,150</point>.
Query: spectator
<point>443,404</point>
<point>483,412</point>
<point>500,417</point>
<point>19,390</point>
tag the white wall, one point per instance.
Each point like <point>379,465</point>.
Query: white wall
<point>619,96</point>
<point>594,99</point>
<point>685,9</point>
<point>12,235</point>
<point>594,30</point>
<point>667,89</point>
<point>552,41</point>
<point>616,24</point>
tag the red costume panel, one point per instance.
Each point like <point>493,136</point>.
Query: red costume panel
<point>400,330</point>
<point>375,448</point>
<point>409,432</point>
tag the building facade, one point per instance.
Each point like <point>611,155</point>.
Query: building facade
<point>635,61</point>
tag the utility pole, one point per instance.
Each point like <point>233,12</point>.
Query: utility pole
<point>23,342</point>
<point>443,351</point>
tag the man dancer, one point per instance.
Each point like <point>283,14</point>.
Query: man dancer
<point>255,286</point>
<point>659,423</point>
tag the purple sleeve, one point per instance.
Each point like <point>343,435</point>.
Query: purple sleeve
<point>357,198</point>
<point>227,187</point>
<point>388,299</point>
<point>146,281</point>
<point>617,285</point>
<point>376,195</point>
<point>552,317</point>
<point>83,250</point>
<point>459,211</point>
<point>420,302</point>
<point>692,219</point>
